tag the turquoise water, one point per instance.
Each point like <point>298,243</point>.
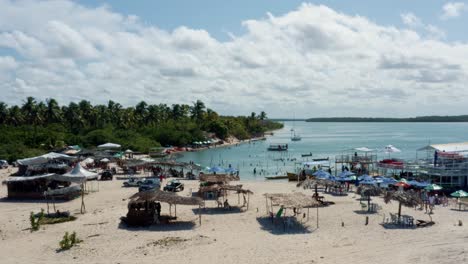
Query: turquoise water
<point>327,140</point>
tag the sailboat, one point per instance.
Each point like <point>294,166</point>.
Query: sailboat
<point>294,136</point>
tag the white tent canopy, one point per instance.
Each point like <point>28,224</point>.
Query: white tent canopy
<point>77,174</point>
<point>109,146</point>
<point>450,147</point>
<point>391,149</point>
<point>105,160</point>
<point>44,159</point>
<point>128,151</point>
<point>364,149</point>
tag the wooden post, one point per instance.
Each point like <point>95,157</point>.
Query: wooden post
<point>53,202</point>
<point>308,214</point>
<point>199,214</point>
<point>317,217</point>
<point>238,198</point>
<point>175,210</point>
<point>83,207</point>
<point>170,210</point>
<point>266,204</point>
<point>248,200</point>
<point>47,201</point>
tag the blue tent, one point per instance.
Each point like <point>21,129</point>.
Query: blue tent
<point>230,170</point>
<point>322,174</point>
<point>345,174</point>
<point>216,169</point>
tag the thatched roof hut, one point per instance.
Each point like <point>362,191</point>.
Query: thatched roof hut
<point>165,197</point>
<point>292,200</point>
<point>144,207</point>
<point>218,178</point>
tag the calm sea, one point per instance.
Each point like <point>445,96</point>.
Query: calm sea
<point>327,140</point>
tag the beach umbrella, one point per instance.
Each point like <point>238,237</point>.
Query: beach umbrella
<point>321,174</point>
<point>405,198</point>
<point>365,177</point>
<point>433,187</point>
<point>216,169</point>
<point>391,149</point>
<point>230,170</point>
<point>105,160</point>
<point>345,174</point>
<point>459,194</point>
<point>403,184</point>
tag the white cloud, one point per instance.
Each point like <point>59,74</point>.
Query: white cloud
<point>410,19</point>
<point>313,59</point>
<point>452,10</point>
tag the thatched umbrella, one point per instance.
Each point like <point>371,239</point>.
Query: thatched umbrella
<point>369,190</point>
<point>406,198</point>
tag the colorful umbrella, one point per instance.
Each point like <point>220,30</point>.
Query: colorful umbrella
<point>433,187</point>
<point>459,194</point>
<point>402,184</point>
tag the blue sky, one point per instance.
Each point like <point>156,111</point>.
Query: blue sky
<point>321,58</point>
<point>220,17</point>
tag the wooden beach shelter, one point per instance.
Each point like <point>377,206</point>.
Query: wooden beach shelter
<point>295,200</point>
<point>223,190</point>
<point>142,206</point>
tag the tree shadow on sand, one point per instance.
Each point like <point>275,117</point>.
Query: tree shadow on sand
<point>218,210</point>
<point>41,201</point>
<point>282,227</point>
<point>173,226</point>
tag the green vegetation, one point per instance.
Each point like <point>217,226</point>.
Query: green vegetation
<point>36,127</point>
<point>36,221</point>
<point>460,118</point>
<point>68,241</point>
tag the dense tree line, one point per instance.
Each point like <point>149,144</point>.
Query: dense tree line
<point>35,126</point>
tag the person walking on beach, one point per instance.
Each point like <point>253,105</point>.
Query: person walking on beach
<point>255,171</point>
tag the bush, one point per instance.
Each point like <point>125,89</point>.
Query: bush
<point>35,222</point>
<point>68,241</point>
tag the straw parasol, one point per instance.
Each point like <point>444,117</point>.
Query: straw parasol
<point>218,178</point>
<point>165,197</point>
<point>368,190</point>
<point>406,198</point>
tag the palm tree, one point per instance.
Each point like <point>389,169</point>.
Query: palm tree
<point>262,115</point>
<point>198,109</point>
<point>3,113</point>
<point>141,112</point>
<point>53,113</point>
<point>15,116</point>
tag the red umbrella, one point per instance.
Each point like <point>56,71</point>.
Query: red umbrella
<point>402,184</point>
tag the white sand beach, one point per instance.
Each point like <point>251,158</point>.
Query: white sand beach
<point>229,236</point>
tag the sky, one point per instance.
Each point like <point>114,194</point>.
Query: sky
<point>287,58</point>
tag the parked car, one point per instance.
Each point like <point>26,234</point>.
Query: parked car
<point>149,184</point>
<point>3,164</point>
<point>174,186</point>
<point>107,175</point>
<point>133,182</point>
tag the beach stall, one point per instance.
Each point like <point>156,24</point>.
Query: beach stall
<point>144,208</point>
<point>48,163</point>
<point>221,193</point>
<point>34,187</point>
<point>278,205</point>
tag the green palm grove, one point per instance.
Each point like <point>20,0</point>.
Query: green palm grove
<point>35,126</point>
